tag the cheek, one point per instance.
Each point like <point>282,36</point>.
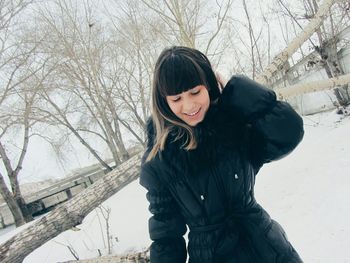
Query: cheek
<point>205,100</point>
<point>174,107</point>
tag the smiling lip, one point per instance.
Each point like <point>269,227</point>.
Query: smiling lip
<point>193,115</point>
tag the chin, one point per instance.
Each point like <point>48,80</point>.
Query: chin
<point>194,123</point>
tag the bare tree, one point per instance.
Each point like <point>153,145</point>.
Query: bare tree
<point>21,120</point>
<point>137,43</point>
<point>327,42</point>
<point>16,117</point>
<point>184,22</point>
<point>18,92</point>
<point>106,212</point>
<point>250,36</point>
<point>283,56</point>
<point>80,93</point>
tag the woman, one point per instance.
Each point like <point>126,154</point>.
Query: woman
<point>206,143</point>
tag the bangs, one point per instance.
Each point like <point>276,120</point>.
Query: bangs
<point>178,74</point>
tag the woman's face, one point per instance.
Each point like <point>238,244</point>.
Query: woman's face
<point>190,106</point>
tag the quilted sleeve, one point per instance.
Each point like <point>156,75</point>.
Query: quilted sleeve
<point>166,225</point>
<point>273,127</point>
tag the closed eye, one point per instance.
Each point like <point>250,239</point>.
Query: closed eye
<point>195,92</point>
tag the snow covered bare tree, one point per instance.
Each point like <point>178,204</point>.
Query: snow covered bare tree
<point>20,69</point>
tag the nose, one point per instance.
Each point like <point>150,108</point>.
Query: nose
<point>188,105</point>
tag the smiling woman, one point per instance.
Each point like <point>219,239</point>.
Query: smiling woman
<point>205,148</point>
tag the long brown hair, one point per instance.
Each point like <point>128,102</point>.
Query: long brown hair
<point>178,69</point>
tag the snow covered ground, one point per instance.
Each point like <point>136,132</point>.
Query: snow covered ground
<point>307,192</point>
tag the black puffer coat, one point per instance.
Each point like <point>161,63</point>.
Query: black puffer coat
<point>211,189</point>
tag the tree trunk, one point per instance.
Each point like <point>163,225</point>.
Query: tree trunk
<point>70,213</point>
<point>12,204</point>
<point>139,257</point>
<point>25,211</point>
<point>312,86</point>
<point>120,144</point>
<point>280,59</point>
<point>17,196</point>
